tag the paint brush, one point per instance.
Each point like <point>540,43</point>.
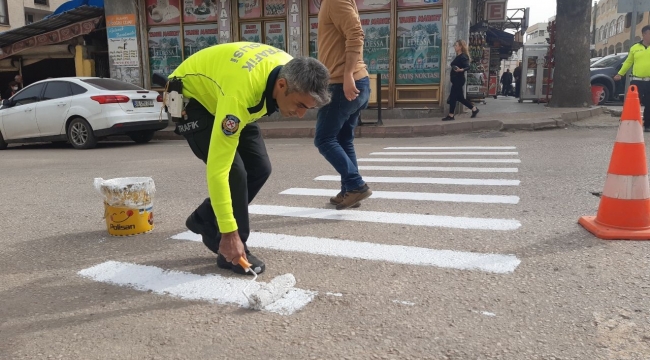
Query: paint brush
<point>267,293</point>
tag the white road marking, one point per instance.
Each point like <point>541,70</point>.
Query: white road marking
<point>439,168</point>
<point>387,217</point>
<point>404,302</point>
<point>417,153</point>
<point>423,180</point>
<point>334,294</point>
<point>419,196</point>
<point>399,254</point>
<point>397,160</point>
<point>450,148</point>
<point>212,288</point>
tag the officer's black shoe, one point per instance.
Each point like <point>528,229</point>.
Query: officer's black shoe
<point>257,265</point>
<point>196,225</point>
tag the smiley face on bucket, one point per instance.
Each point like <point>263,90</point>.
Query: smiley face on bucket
<point>122,216</point>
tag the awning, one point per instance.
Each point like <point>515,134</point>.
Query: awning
<point>73,4</point>
<point>53,30</point>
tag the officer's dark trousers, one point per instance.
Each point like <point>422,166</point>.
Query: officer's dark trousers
<point>643,87</point>
<point>250,170</point>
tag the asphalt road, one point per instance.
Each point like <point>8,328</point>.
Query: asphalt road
<point>494,269</point>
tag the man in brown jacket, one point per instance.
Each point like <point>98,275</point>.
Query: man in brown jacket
<point>340,48</point>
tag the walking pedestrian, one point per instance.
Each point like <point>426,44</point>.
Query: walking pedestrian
<point>457,76</point>
<point>639,57</point>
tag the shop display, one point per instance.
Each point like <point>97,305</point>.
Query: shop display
<point>477,75</point>
<point>376,49</point>
<point>419,45</point>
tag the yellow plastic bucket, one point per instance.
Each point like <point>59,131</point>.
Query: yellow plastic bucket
<point>128,205</point>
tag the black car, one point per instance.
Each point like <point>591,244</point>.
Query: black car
<point>603,72</point>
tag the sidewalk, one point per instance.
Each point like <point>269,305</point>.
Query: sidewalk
<point>487,120</point>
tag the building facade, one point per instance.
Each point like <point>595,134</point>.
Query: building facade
<point>611,29</point>
<point>18,13</point>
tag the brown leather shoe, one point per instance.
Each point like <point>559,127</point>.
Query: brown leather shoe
<point>354,196</point>
<point>339,198</point>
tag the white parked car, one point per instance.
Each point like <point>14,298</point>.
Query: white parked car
<point>81,110</point>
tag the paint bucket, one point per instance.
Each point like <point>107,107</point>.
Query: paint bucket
<point>128,204</point>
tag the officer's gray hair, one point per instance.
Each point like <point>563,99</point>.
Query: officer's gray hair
<point>307,76</point>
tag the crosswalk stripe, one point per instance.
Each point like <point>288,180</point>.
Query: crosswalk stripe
<point>423,180</point>
<point>407,255</point>
<point>439,168</point>
<point>420,196</point>
<point>212,287</point>
<point>396,160</point>
<point>428,153</point>
<point>387,217</point>
<point>450,148</point>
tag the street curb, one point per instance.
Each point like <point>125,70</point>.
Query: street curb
<point>410,131</point>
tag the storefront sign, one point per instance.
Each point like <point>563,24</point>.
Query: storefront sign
<point>200,10</point>
<point>251,32</point>
<point>364,5</point>
<point>496,10</point>
<point>164,49</point>
<point>162,12</point>
<point>224,22</point>
<point>492,91</point>
<point>122,40</point>
<point>275,7</point>
<point>313,37</point>
<point>52,37</point>
<point>295,28</point>
<point>198,37</point>
<point>419,47</point>
<point>410,3</point>
<point>250,9</point>
<point>275,34</point>
<point>376,49</point>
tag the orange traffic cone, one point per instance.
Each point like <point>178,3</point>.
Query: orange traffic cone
<point>624,211</point>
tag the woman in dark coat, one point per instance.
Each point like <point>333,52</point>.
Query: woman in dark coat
<point>458,68</point>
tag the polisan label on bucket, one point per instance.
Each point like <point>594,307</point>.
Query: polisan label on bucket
<point>128,221</point>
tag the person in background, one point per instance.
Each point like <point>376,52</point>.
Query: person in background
<point>457,76</point>
<point>639,57</point>
<point>517,75</point>
<point>11,90</point>
<point>506,82</point>
<point>19,80</point>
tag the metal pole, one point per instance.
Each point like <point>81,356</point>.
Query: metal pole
<point>379,121</point>
<point>632,35</point>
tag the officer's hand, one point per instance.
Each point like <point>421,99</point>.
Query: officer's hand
<point>617,77</point>
<point>350,89</point>
<point>231,247</point>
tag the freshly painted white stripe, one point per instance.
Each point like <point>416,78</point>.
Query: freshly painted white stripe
<point>407,255</point>
<point>398,160</point>
<point>212,288</point>
<point>630,132</point>
<point>423,180</point>
<point>387,217</point>
<point>416,153</point>
<point>420,196</point>
<point>626,187</point>
<point>438,168</point>
<point>404,302</point>
<point>450,148</point>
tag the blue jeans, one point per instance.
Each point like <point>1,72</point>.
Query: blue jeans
<point>335,132</point>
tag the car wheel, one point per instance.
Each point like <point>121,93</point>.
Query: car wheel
<point>604,96</point>
<point>142,137</point>
<point>3,143</point>
<point>80,134</point>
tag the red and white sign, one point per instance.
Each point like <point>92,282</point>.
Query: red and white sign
<point>496,10</point>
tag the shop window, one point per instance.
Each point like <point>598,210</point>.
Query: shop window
<point>362,5</point>
<point>411,3</point>
<point>376,50</point>
<point>263,28</point>
<point>4,13</point>
<point>419,46</point>
<point>178,29</point>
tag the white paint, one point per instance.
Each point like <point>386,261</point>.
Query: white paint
<point>212,288</point>
<point>486,313</point>
<point>630,132</point>
<point>439,168</point>
<point>386,217</point>
<point>451,148</point>
<point>334,294</point>
<point>418,153</point>
<point>398,254</point>
<point>400,160</point>
<point>404,302</point>
<point>626,187</point>
<point>423,180</point>
<point>418,196</point>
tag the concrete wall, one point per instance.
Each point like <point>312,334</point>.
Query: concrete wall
<point>17,8</point>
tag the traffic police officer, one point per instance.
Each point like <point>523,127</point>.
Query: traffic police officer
<point>229,87</point>
<point>639,56</point>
